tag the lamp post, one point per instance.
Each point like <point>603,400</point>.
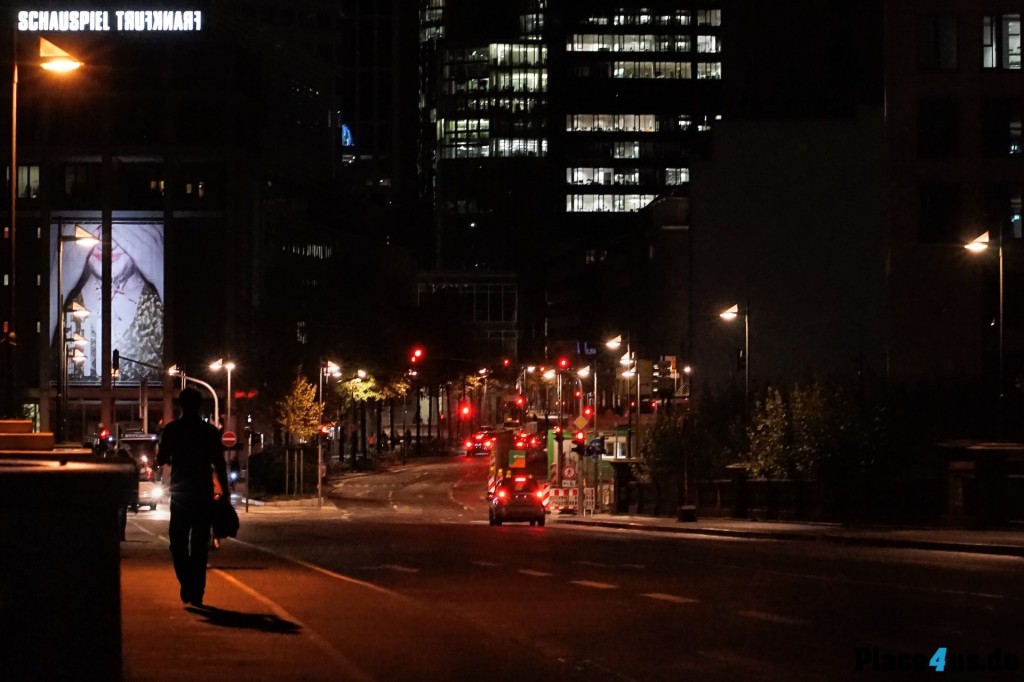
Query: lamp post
<point>328,369</point>
<point>229,366</point>
<point>85,238</point>
<point>52,59</point>
<point>174,372</point>
<point>977,245</point>
<point>729,315</point>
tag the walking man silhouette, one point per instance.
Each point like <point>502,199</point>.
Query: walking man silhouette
<point>193,449</point>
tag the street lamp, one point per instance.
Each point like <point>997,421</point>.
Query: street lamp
<point>729,315</point>
<point>56,60</point>
<point>174,371</point>
<point>85,238</point>
<point>327,369</point>
<point>217,366</point>
<point>978,245</point>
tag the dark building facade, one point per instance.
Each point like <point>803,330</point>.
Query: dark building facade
<point>228,170</point>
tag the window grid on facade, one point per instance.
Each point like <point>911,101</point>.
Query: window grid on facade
<point>639,123</point>
<point>1001,41</point>
<point>606,203</point>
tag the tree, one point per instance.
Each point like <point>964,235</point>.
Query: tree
<point>298,413</point>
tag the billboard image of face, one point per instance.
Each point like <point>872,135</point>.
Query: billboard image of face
<point>136,306</point>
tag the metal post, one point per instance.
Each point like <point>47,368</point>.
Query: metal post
<point>746,355</point>
<point>62,357</point>
<point>319,442</point>
<point>1000,384</point>
<point>12,398</point>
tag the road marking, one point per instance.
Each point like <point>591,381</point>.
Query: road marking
<point>669,598</point>
<point>598,564</point>
<point>401,569</point>
<point>535,574</point>
<point>773,618</point>
<point>594,584</point>
<point>351,670</point>
<point>486,564</point>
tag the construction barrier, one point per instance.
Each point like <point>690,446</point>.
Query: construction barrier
<point>564,499</point>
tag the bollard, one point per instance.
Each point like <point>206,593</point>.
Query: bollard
<point>60,581</point>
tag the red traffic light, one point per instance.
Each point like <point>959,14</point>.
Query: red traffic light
<point>325,429</point>
<point>520,401</point>
<point>588,411</point>
<point>417,354</point>
<point>465,410</point>
<point>506,362</point>
<point>563,363</point>
<point>580,437</point>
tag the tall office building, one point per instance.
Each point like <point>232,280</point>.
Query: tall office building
<point>547,127</point>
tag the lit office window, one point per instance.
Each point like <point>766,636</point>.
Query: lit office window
<point>677,176</point>
<point>709,17</point>
<point>677,70</point>
<point>642,123</point>
<point>709,44</point>
<point>588,176</point>
<point>1000,41</point>
<point>508,147</point>
<point>606,203</point>
<point>28,182</point>
<point>709,70</point>
<point>626,150</point>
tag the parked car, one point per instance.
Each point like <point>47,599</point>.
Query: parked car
<point>517,498</point>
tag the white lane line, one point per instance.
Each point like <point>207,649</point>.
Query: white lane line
<point>669,598</point>
<point>400,569</point>
<point>773,618</point>
<point>349,669</point>
<point>594,584</point>
<point>486,564</point>
<point>533,573</point>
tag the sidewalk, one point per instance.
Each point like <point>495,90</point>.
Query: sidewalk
<point>998,542</point>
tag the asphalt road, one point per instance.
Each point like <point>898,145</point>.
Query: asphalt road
<point>405,565</point>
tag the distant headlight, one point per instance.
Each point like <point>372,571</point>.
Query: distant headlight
<point>233,476</point>
<point>158,491</point>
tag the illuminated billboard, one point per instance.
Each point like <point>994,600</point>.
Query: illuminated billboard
<point>136,306</point>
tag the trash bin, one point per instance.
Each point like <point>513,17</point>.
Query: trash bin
<point>60,581</point>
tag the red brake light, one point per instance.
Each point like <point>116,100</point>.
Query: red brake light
<point>489,444</point>
<point>469,443</point>
<point>502,494</point>
<point>540,494</point>
<point>520,479</point>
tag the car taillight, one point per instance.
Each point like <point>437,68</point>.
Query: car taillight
<point>489,444</point>
<point>520,445</point>
<point>540,494</point>
<point>502,494</point>
<point>469,443</point>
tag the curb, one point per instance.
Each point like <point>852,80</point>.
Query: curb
<point>853,540</point>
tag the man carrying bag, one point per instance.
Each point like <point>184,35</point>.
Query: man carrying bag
<point>193,449</point>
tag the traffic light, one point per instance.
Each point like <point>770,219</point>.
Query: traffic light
<point>416,355</point>
<point>115,361</point>
<point>588,412</point>
<point>506,362</point>
<point>465,410</point>
<point>741,360</point>
<point>563,363</point>
<point>579,443</point>
<point>558,435</point>
<point>520,401</point>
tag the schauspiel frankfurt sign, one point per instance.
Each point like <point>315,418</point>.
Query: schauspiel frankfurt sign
<point>110,20</point>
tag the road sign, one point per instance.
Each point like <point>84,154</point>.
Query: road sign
<point>581,422</point>
<point>516,459</point>
<point>228,440</point>
<point>568,472</point>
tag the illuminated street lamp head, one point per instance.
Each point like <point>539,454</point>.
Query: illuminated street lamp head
<point>584,372</point>
<point>613,344</point>
<point>687,370</point>
<point>78,310</point>
<point>626,360</point>
<point>361,373</point>
<point>730,314</point>
<point>978,244</point>
<point>550,374</point>
<point>84,237</point>
<point>332,368</point>
<point>56,59</point>
<point>173,370</point>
